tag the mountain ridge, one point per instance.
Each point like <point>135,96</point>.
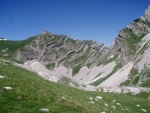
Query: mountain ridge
<point>87,62</point>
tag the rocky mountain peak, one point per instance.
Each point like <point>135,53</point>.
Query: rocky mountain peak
<point>147,14</point>
<point>2,38</point>
<point>46,32</point>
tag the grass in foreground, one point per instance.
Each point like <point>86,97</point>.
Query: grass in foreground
<point>30,93</point>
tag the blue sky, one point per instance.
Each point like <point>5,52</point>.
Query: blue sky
<point>98,20</point>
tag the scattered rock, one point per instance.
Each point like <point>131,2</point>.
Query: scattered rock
<point>114,101</point>
<point>149,97</point>
<point>114,107</point>
<point>44,109</point>
<point>96,99</point>
<point>126,109</point>
<point>118,104</point>
<point>7,88</point>
<point>99,97</point>
<point>63,97</point>
<point>106,104</point>
<point>143,110</point>
<point>91,102</point>
<point>1,76</point>
<point>138,105</point>
<point>90,98</point>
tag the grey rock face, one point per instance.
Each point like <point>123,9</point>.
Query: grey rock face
<point>122,34</point>
<point>147,14</point>
<point>137,28</point>
<point>48,48</point>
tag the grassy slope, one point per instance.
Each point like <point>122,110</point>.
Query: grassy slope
<point>31,92</point>
<point>14,45</point>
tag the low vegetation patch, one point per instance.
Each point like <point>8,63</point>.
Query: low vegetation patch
<point>76,70</point>
<point>146,83</point>
<point>50,66</point>
<point>132,41</point>
<point>133,79</point>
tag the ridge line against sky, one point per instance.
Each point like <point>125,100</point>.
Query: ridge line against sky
<point>98,20</point>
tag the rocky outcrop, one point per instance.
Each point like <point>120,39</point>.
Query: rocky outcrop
<point>147,14</point>
<point>126,43</point>
<point>137,28</point>
<point>2,39</point>
<point>49,48</point>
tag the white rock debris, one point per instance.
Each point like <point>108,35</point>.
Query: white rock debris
<point>143,110</point>
<point>126,109</point>
<point>106,104</point>
<point>118,104</point>
<point>118,77</point>
<point>114,107</point>
<point>96,99</point>
<point>114,101</point>
<point>44,109</point>
<point>63,97</point>
<point>99,97</point>
<point>1,76</point>
<point>91,102</point>
<point>90,98</point>
<point>7,88</point>
<point>138,105</point>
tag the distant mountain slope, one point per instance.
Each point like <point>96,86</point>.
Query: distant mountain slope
<point>54,50</point>
<point>86,62</point>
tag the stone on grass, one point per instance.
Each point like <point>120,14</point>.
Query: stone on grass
<point>99,97</point>
<point>126,109</point>
<point>63,97</point>
<point>44,109</point>
<point>1,76</point>
<point>91,102</point>
<point>106,104</point>
<point>96,99</point>
<point>7,88</point>
<point>90,98</point>
<point>114,107</point>
<point>143,110</point>
<point>114,101</point>
<point>138,105</point>
<point>118,104</point>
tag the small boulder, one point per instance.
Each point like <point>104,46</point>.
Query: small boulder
<point>114,107</point>
<point>118,104</point>
<point>138,105</point>
<point>106,104</point>
<point>91,102</point>
<point>7,88</point>
<point>1,76</point>
<point>114,101</point>
<point>99,97</point>
<point>90,98</point>
<point>143,110</point>
<point>63,97</point>
<point>44,109</point>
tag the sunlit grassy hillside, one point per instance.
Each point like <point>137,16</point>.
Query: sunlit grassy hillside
<point>30,93</point>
